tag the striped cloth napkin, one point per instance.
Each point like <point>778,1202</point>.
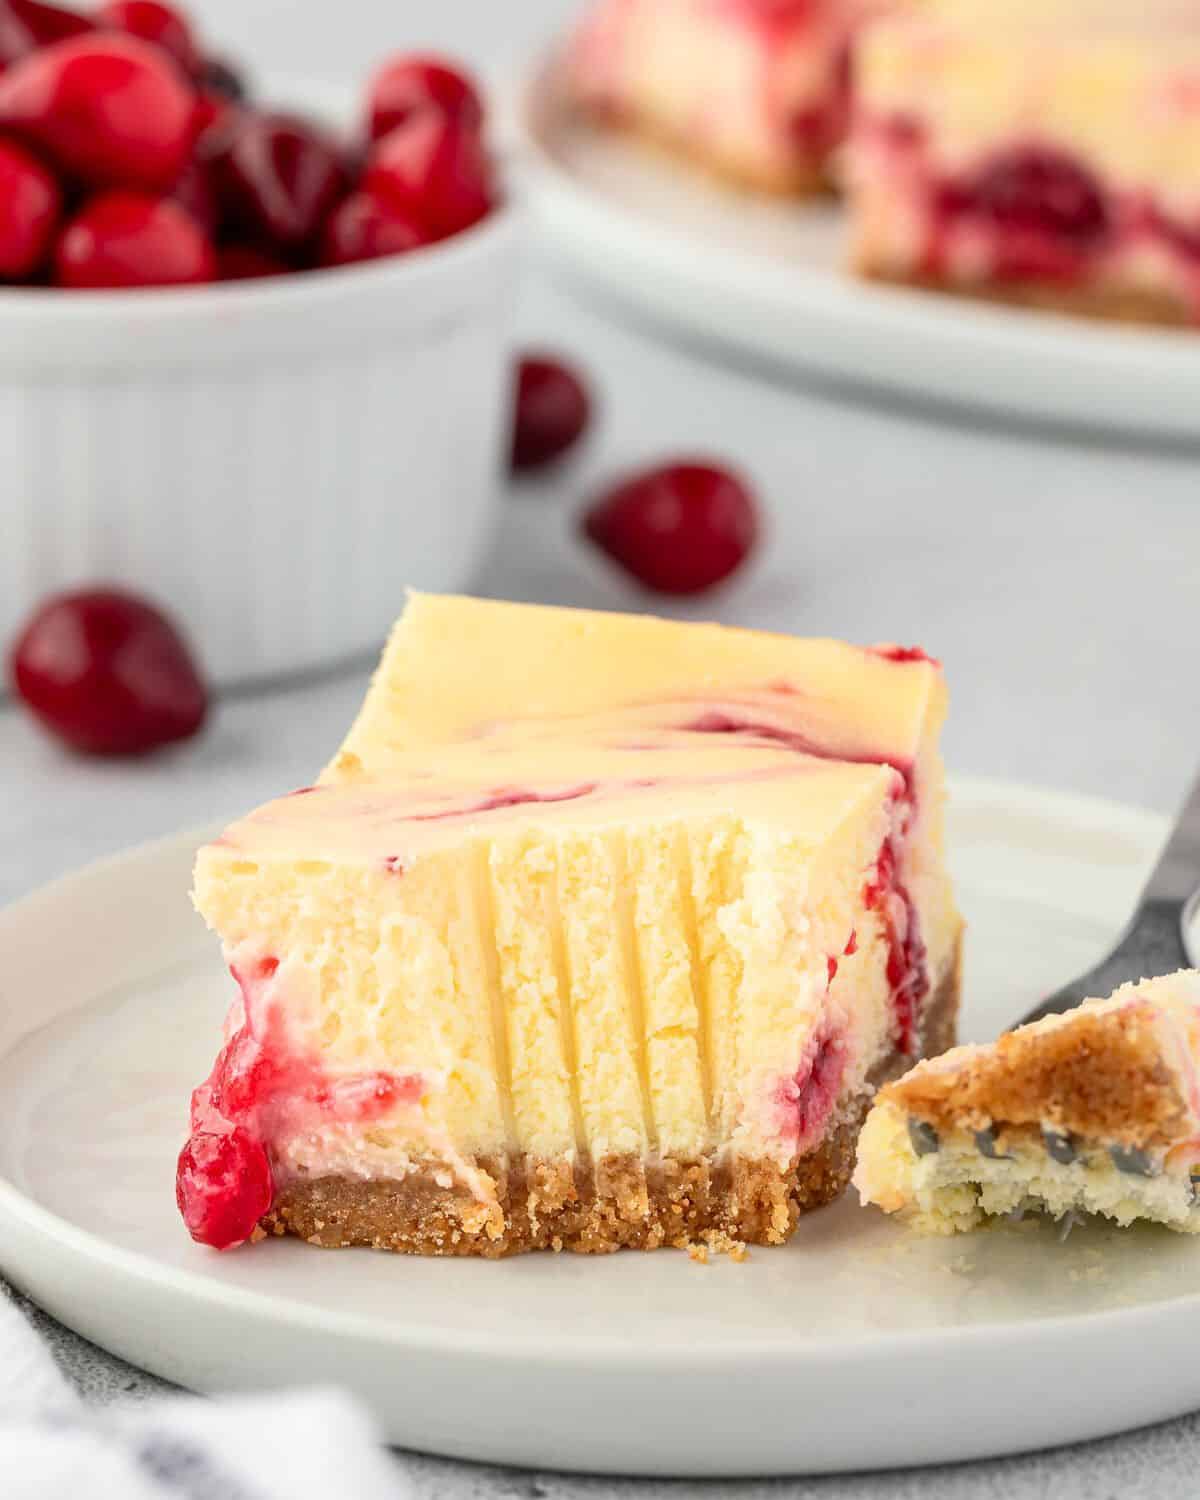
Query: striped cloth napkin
<point>297,1445</point>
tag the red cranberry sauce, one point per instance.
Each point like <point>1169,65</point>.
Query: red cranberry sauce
<point>907,961</point>
<point>261,1083</point>
<point>887,891</point>
<point>904,654</point>
<point>506,796</point>
<point>1039,212</point>
<point>806,1100</point>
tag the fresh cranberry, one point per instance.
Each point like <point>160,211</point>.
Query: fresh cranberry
<point>363,227</point>
<point>219,76</point>
<point>279,178</point>
<point>108,673</point>
<point>552,413</point>
<point>679,529</point>
<point>223,1187</point>
<point>27,25</point>
<point>193,190</point>
<point>216,122</point>
<point>30,204</point>
<point>247,263</point>
<point>214,112</point>
<point>154,22</point>
<point>434,170</point>
<point>129,240</point>
<point>108,109</point>
<point>405,86</point>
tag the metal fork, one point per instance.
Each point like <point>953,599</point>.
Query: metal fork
<point>1155,941</point>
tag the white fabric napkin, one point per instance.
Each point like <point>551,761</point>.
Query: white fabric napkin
<point>314,1444</point>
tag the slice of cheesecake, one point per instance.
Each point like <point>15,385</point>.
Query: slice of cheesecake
<point>757,90</point>
<point>598,931</point>
<point>1095,1111</point>
<point>1034,153</point>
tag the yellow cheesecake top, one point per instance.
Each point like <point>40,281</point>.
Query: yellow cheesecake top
<point>491,674</point>
<point>1120,89</point>
<point>510,716</point>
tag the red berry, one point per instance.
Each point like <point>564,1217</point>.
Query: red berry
<point>223,1187</point>
<point>30,204</point>
<point>405,86</point>
<point>129,240</point>
<point>362,227</point>
<point>193,191</point>
<point>1045,211</point>
<point>108,673</point>
<point>1040,189</point>
<point>108,109</point>
<point>247,263</point>
<point>220,77</point>
<point>552,413</point>
<point>216,114</point>
<point>156,23</point>
<point>433,170</point>
<point>679,529</point>
<point>279,178</point>
<point>27,25</point>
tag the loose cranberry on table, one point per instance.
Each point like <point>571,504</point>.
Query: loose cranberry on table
<point>552,412</point>
<point>363,227</point>
<point>26,25</point>
<point>108,673</point>
<point>109,110</point>
<point>278,178</point>
<point>131,240</point>
<point>434,170</point>
<point>679,529</point>
<point>156,23</point>
<point>405,86</point>
<point>30,203</point>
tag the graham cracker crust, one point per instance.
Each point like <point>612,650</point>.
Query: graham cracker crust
<point>1111,304</point>
<point>619,1202</point>
<point>1100,1077</point>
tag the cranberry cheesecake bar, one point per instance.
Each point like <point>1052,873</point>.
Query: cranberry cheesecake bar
<point>757,90</point>
<point>1041,155</point>
<point>598,931</point>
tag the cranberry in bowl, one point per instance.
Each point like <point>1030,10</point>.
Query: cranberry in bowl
<point>255,355</point>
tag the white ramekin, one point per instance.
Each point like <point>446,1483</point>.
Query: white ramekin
<point>274,461</point>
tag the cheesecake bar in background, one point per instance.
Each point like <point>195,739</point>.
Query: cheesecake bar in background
<point>599,931</point>
<point>756,90</point>
<point>1094,1111</point>
<point>1039,154</point>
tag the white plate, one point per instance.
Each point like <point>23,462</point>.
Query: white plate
<point>763,278</point>
<point>857,1345</point>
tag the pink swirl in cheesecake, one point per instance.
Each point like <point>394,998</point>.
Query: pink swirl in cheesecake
<point>887,893</point>
<point>806,1100</point>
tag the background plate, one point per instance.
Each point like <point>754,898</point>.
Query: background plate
<point>855,1346</point>
<point>763,278</point>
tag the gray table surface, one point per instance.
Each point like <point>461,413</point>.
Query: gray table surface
<point>1057,579</point>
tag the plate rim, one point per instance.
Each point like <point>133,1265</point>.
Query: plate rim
<point>133,1266</point>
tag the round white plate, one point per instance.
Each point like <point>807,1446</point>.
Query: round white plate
<point>857,1345</point>
<point>763,278</point>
